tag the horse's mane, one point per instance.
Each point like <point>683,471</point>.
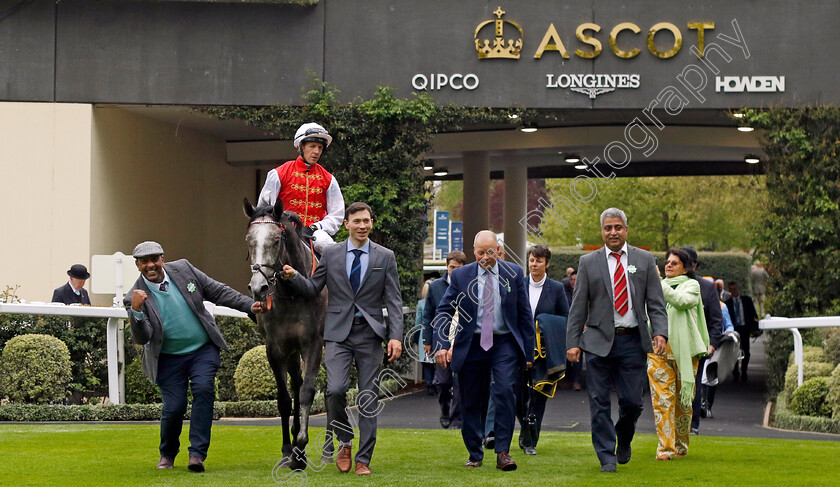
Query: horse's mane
<point>266,210</point>
<point>290,216</point>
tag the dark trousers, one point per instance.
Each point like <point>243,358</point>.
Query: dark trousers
<point>196,370</point>
<point>624,367</point>
<point>530,435</point>
<point>364,347</point>
<point>428,374</point>
<point>699,394</point>
<point>745,347</point>
<point>474,380</point>
<point>448,394</point>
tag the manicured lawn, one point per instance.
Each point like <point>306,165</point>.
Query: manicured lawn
<point>117,454</point>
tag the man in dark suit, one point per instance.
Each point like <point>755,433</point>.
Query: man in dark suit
<point>495,333</point>
<point>450,403</point>
<point>714,322</point>
<point>617,293</point>
<point>745,321</point>
<point>546,297</point>
<point>181,344</point>
<point>361,276</point>
<point>74,291</point>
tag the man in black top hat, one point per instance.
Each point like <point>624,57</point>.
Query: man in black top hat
<point>74,291</point>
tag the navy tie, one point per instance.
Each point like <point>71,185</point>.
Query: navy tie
<point>164,286</point>
<point>356,270</point>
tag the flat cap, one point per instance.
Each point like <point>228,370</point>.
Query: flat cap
<point>145,249</point>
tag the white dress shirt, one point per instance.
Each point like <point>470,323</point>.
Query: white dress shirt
<point>629,319</point>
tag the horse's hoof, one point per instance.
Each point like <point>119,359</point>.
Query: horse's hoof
<point>285,462</point>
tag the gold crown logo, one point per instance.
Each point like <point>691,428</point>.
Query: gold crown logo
<point>501,48</point>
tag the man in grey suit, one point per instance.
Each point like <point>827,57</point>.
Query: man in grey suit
<point>181,344</point>
<point>361,276</point>
<point>617,293</point>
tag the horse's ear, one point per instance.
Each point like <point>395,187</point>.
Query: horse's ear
<point>295,219</point>
<point>249,208</point>
<point>278,209</point>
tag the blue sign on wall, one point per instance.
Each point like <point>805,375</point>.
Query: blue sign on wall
<point>442,231</point>
<point>457,231</point>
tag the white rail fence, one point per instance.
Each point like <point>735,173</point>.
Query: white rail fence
<point>114,330</point>
<point>794,324</point>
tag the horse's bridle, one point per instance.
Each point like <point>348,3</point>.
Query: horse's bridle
<point>272,281</point>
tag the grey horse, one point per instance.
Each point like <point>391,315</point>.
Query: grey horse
<point>293,327</point>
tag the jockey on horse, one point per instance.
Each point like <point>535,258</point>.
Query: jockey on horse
<point>308,189</point>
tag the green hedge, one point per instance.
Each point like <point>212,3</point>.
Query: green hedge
<point>35,369</point>
<point>811,353</point>
<point>254,378</point>
<point>729,266</point>
<point>833,396</point>
<point>785,419</point>
<point>87,412</point>
<point>809,371</point>
<point>831,344</point>
<point>85,339</point>
<point>151,412</point>
<point>809,398</point>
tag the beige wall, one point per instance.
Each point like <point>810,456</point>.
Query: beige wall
<point>79,180</point>
<point>156,181</point>
<point>45,167</point>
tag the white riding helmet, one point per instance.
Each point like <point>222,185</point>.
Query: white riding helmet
<point>312,132</point>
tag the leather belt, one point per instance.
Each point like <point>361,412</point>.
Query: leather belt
<point>626,331</point>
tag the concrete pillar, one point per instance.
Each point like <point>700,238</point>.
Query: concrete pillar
<point>476,197</point>
<point>516,206</point>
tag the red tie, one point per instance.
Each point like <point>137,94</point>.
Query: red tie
<point>620,285</point>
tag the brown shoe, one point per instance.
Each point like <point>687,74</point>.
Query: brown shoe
<point>344,458</point>
<point>504,462</point>
<point>196,464</point>
<point>165,463</point>
<point>362,468</point>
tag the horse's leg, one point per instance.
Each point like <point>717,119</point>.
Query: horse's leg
<point>293,366</point>
<point>284,402</point>
<point>312,362</point>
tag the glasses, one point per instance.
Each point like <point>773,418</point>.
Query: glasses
<point>314,131</point>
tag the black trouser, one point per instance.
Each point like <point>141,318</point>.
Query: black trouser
<point>698,394</point>
<point>744,333</point>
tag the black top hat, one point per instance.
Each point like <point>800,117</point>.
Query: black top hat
<point>78,271</point>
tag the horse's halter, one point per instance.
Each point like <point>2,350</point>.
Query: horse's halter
<point>272,281</point>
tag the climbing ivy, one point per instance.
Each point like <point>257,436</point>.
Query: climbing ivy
<point>798,237</point>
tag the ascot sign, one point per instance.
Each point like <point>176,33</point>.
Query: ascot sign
<point>501,48</point>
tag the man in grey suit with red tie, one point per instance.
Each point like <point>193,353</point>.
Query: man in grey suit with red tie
<point>361,277</point>
<point>495,333</point>
<point>617,293</point>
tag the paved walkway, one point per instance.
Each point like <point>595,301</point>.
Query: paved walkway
<point>738,410</point>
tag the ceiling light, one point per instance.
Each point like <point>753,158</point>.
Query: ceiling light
<point>513,116</point>
<point>745,129</point>
<point>737,114</point>
<point>528,129</point>
<point>751,159</point>
<point>428,165</point>
<point>580,166</point>
<point>572,158</point>
<point>441,171</point>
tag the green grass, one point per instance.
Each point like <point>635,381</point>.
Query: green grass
<point>117,454</point>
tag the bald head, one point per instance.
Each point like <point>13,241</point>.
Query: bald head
<point>486,249</point>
